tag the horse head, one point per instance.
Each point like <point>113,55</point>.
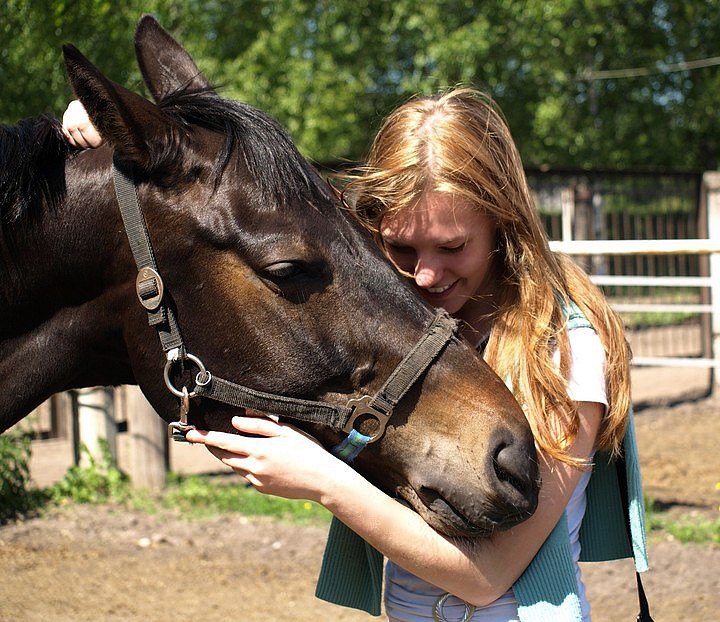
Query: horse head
<point>277,289</point>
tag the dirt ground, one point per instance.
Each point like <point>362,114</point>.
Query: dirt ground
<point>86,563</point>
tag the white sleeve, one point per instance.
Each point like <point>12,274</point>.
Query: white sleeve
<point>586,382</point>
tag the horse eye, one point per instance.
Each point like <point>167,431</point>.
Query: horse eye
<point>283,270</point>
<point>296,280</point>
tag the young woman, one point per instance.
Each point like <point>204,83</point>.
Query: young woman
<point>444,192</point>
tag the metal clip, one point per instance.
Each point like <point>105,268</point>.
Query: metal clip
<point>178,429</point>
<point>361,407</point>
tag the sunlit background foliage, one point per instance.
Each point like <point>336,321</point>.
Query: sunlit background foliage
<point>601,83</point>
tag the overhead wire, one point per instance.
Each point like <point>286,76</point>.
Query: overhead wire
<point>632,72</point>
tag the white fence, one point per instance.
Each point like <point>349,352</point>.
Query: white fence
<point>710,197</point>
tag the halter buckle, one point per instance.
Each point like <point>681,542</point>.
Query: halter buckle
<point>149,288</point>
<point>363,409</point>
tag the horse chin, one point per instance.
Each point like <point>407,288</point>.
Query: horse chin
<point>442,516</point>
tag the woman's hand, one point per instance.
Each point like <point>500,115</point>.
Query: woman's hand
<point>78,129</point>
<point>278,460</point>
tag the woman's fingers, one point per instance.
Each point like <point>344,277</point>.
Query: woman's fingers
<point>234,460</point>
<point>258,424</point>
<point>276,458</point>
<point>77,127</point>
<point>221,440</point>
<point>238,463</point>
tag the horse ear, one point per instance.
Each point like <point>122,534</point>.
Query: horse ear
<point>129,122</point>
<point>164,63</point>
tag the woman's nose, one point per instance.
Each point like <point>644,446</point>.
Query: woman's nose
<point>426,273</point>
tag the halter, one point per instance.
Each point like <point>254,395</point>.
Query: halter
<point>152,295</point>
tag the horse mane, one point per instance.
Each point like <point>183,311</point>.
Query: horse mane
<point>32,175</point>
<point>282,174</point>
<point>33,152</point>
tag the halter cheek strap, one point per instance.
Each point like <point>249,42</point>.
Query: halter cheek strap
<point>371,413</point>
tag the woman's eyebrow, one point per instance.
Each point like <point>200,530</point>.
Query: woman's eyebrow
<point>400,241</point>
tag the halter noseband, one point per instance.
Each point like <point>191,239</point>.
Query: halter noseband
<point>151,293</point>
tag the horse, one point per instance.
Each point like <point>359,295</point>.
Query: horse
<point>272,283</point>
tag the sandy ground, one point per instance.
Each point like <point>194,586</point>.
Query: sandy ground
<point>107,563</point>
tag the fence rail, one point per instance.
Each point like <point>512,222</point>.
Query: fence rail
<point>637,247</point>
<point>708,303</point>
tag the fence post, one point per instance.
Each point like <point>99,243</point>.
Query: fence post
<point>582,225</point>
<point>711,192</point>
<point>567,214</point>
<point>95,422</point>
<point>147,442</point>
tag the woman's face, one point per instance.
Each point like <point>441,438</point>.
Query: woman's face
<point>445,245</point>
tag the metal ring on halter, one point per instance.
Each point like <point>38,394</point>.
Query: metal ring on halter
<point>166,374</point>
<point>203,378</point>
<point>439,616</point>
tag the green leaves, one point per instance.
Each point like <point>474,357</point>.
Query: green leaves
<point>14,475</point>
<point>331,70</point>
<point>98,482</point>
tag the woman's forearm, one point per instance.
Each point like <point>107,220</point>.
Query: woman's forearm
<point>477,571</point>
<point>281,460</point>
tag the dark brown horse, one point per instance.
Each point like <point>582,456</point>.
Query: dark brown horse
<point>273,286</point>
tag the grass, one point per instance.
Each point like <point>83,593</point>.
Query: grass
<point>651,295</point>
<point>695,528</point>
<point>101,482</point>
<point>194,497</point>
<point>656,319</point>
<point>202,496</point>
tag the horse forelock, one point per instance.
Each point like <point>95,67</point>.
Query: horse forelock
<point>282,175</point>
<point>32,173</point>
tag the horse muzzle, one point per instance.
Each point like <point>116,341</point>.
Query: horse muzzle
<point>502,493</point>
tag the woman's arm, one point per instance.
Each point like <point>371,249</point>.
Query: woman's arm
<point>286,462</point>
<point>77,127</point>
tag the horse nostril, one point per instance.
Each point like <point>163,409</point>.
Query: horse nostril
<point>514,467</point>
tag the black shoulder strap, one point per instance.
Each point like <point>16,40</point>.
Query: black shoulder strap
<point>644,615</point>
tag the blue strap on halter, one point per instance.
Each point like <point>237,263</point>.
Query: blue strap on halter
<point>353,444</point>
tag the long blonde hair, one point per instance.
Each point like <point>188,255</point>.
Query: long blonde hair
<point>458,142</point>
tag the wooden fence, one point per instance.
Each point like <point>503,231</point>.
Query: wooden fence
<point>650,241</point>
<point>710,247</point>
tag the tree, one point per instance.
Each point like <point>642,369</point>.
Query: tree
<point>331,70</point>
<point>33,31</point>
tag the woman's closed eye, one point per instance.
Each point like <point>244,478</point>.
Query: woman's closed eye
<point>450,249</point>
<point>399,249</point>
